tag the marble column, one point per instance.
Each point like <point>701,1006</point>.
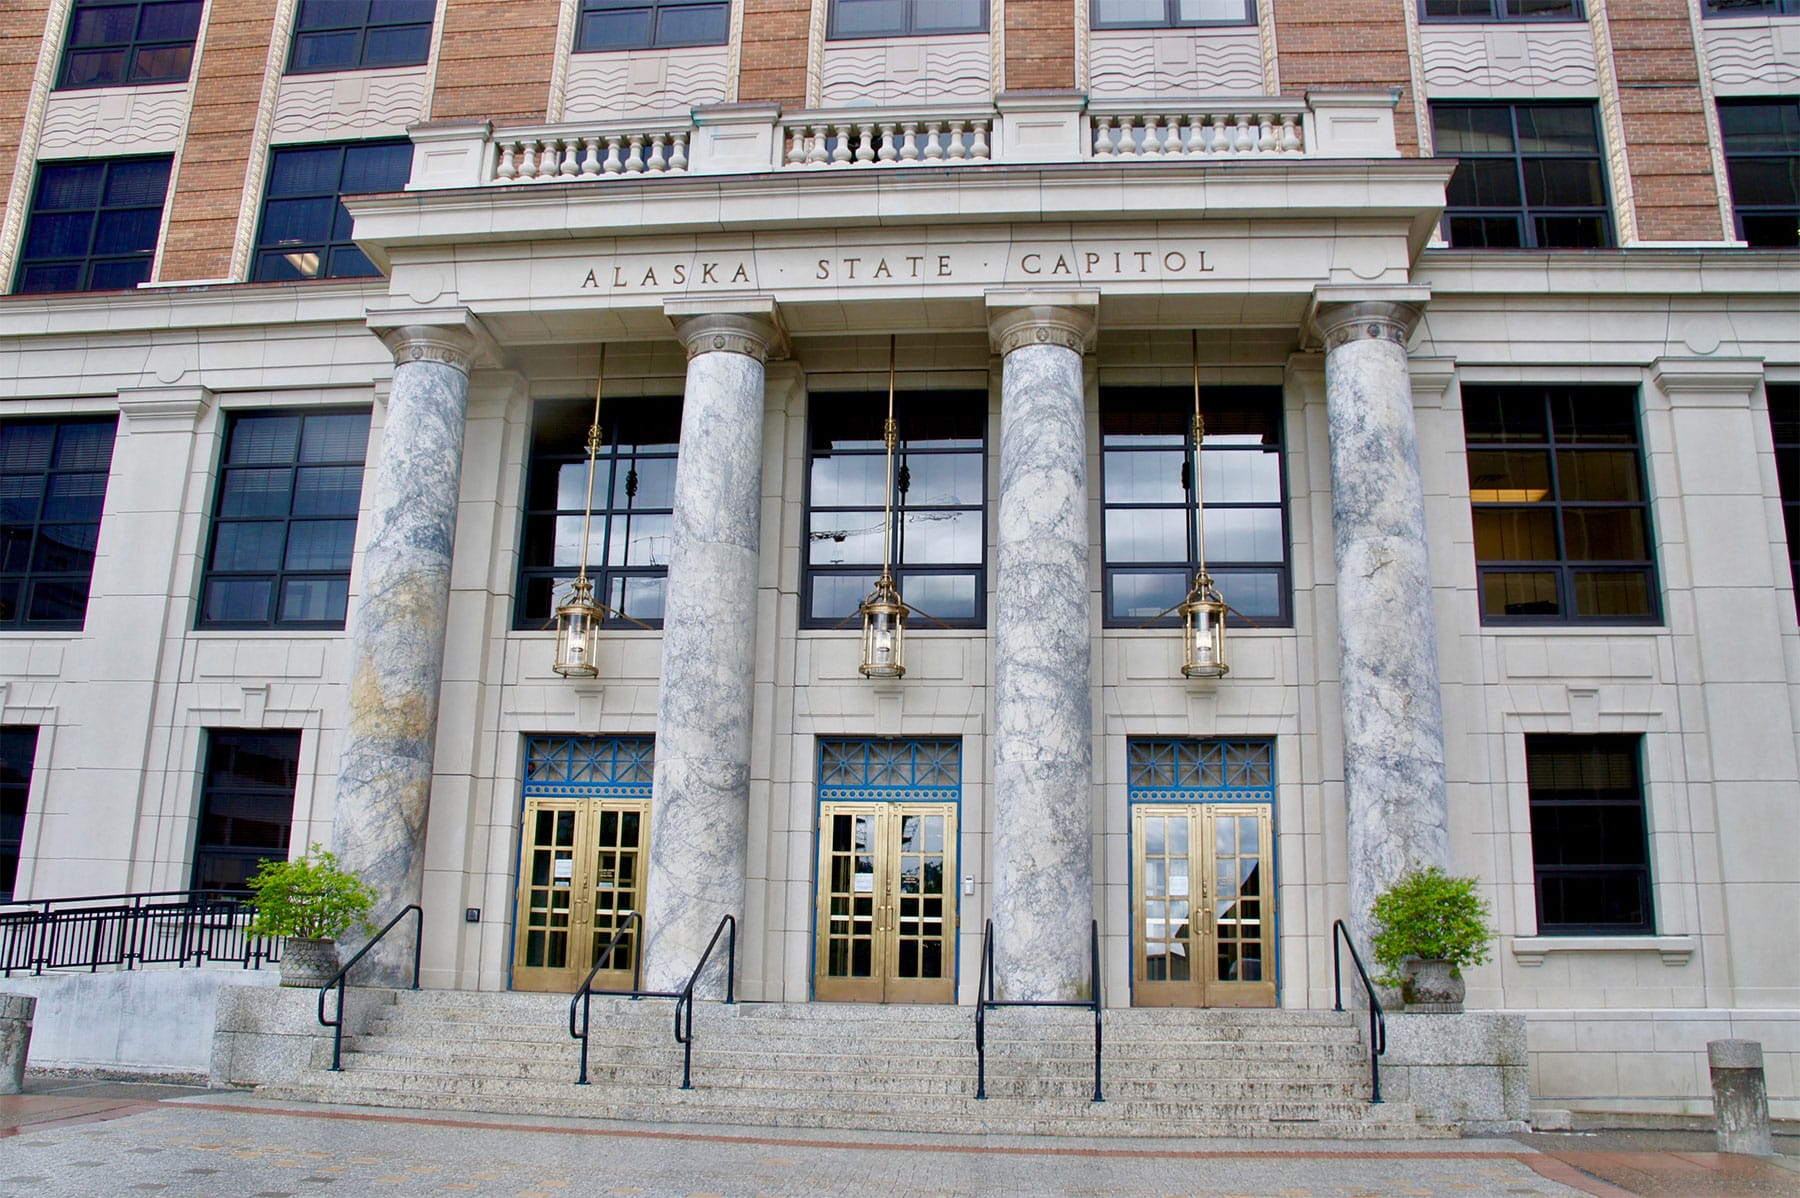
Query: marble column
<point>1398,814</point>
<point>699,809</point>
<point>1043,718</point>
<point>397,627</point>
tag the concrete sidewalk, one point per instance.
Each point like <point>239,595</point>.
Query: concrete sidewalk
<point>85,1139</point>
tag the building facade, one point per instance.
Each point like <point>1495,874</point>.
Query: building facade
<point>1488,311</point>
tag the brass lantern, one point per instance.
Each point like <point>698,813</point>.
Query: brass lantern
<point>1203,611</point>
<point>578,620</point>
<point>883,612</point>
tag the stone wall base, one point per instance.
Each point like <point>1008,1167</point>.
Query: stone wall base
<point>1469,1069</point>
<point>273,1034</point>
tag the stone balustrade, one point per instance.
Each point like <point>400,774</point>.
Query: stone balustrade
<point>544,156</point>
<point>1166,132</point>
<point>823,139</point>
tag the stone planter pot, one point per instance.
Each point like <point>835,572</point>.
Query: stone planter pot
<point>1431,986</point>
<point>306,962</point>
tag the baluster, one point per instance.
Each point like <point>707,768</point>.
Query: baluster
<point>634,161</point>
<point>659,152</point>
<point>1152,146</point>
<point>1290,134</point>
<point>508,170</point>
<point>865,144</point>
<point>796,154</point>
<point>888,153</point>
<point>1128,137</point>
<point>571,164</point>
<point>614,163</point>
<point>590,162</point>
<point>817,150</point>
<point>979,150</point>
<point>1103,142</point>
<point>1245,142</point>
<point>1265,141</point>
<point>1178,132</point>
<point>957,147</point>
<point>909,146</point>
<point>841,152</point>
<point>934,146</point>
<point>528,163</point>
<point>678,159</point>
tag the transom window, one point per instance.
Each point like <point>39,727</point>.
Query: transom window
<point>93,225</point>
<point>345,35</point>
<point>52,487</point>
<point>1784,416</point>
<point>905,18</point>
<point>1500,10</point>
<point>114,42</point>
<point>305,230</point>
<point>1749,8</point>
<point>1199,770</point>
<point>940,533</point>
<point>619,767</point>
<point>651,24</point>
<point>18,753</point>
<point>1151,530</point>
<point>1762,158</point>
<point>633,515</point>
<point>1170,14</point>
<point>1562,525</point>
<point>284,526</point>
<point>1530,176</point>
<point>1589,843</point>
<point>890,770</point>
<point>246,806</point>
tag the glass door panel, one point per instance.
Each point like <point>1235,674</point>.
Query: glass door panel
<point>1207,860</point>
<point>886,919</point>
<point>580,876</point>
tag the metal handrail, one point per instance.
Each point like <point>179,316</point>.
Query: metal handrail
<point>585,995</point>
<point>984,998</point>
<point>337,982</point>
<point>1377,1017</point>
<point>169,927</point>
<point>684,1004</point>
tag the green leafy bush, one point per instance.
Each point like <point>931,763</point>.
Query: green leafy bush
<point>1428,914</point>
<point>311,896</point>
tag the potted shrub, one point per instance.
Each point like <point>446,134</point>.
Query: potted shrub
<point>1429,925</point>
<point>309,902</point>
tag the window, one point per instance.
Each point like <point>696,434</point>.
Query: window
<point>246,806</point>
<point>93,225</point>
<point>1762,159</point>
<point>650,24</point>
<point>285,522</point>
<point>905,18</point>
<point>1562,526</point>
<point>1748,8</point>
<point>129,41</point>
<point>1170,14</point>
<point>305,227</point>
<point>1530,176</point>
<point>1500,10</point>
<point>18,750</point>
<point>52,488</point>
<point>1150,533</point>
<point>1784,415</point>
<point>1589,850</point>
<point>940,521</point>
<point>634,500</point>
<point>347,35</point>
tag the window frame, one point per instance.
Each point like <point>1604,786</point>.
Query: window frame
<point>1628,747</point>
<point>1171,19</point>
<point>1763,8</point>
<point>265,250</point>
<point>1790,156</point>
<point>91,257</point>
<point>615,453</point>
<point>362,29</point>
<point>588,15</point>
<point>1525,212</point>
<point>1213,400</point>
<point>214,786</point>
<point>282,574</point>
<point>18,760</point>
<point>1497,14</point>
<point>810,573</point>
<point>1784,429</point>
<point>1562,566</point>
<point>906,28</point>
<point>31,576</point>
<point>131,47</point>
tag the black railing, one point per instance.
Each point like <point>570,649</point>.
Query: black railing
<point>160,927</point>
<point>584,996</point>
<point>1340,935</point>
<point>985,999</point>
<point>337,982</point>
<point>684,1036</point>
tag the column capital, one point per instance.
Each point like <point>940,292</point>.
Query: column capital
<point>164,409</point>
<point>1707,382</point>
<point>1068,319</point>
<point>743,324</point>
<point>451,336</point>
<point>1339,314</point>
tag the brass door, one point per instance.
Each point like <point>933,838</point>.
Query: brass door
<point>581,873</point>
<point>886,920</point>
<point>1203,927</point>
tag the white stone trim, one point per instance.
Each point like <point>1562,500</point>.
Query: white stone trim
<point>1530,951</point>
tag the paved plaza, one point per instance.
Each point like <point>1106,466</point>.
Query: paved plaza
<point>76,1140</point>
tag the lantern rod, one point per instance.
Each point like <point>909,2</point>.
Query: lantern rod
<point>1199,474</point>
<point>890,437</point>
<point>593,448</point>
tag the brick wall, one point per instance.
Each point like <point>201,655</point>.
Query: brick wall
<point>495,60</point>
<point>1664,115</point>
<point>772,66</point>
<point>1040,44</point>
<point>209,184</point>
<point>21,30</point>
<point>1325,44</point>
